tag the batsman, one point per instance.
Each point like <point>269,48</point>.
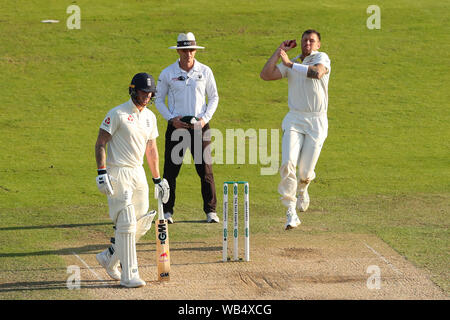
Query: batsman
<point>129,132</point>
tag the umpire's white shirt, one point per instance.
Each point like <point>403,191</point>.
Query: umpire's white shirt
<point>130,129</point>
<point>308,95</point>
<point>186,92</point>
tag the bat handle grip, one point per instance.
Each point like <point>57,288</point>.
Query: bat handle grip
<point>160,207</point>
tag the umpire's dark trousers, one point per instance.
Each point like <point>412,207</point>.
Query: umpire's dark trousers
<point>198,141</point>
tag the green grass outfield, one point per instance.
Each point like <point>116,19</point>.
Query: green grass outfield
<point>384,168</point>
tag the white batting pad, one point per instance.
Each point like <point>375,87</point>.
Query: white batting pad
<point>113,263</point>
<point>126,243</point>
<point>144,224</point>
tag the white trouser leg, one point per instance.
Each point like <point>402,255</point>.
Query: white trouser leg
<point>309,155</point>
<point>140,193</point>
<point>291,145</point>
<point>302,142</point>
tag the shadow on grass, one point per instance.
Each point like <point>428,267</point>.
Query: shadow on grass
<point>184,249</point>
<point>55,285</point>
<point>67,226</point>
<point>58,252</point>
<point>191,221</point>
<point>62,226</point>
<point>96,248</point>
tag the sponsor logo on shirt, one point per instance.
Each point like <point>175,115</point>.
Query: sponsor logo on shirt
<point>107,122</point>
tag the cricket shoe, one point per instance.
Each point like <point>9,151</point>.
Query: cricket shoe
<point>212,217</point>
<point>303,201</point>
<point>168,217</point>
<point>292,220</point>
<point>133,283</point>
<point>112,269</point>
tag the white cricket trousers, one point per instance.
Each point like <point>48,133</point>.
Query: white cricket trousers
<point>303,138</point>
<point>130,188</point>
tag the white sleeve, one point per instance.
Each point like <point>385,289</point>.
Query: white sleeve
<point>111,122</point>
<point>162,89</point>
<point>322,58</point>
<point>213,97</point>
<point>300,68</point>
<point>154,128</point>
<point>283,69</point>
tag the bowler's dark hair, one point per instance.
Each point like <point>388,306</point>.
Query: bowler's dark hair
<point>309,31</point>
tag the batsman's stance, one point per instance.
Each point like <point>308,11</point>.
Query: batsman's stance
<point>305,127</point>
<point>130,131</point>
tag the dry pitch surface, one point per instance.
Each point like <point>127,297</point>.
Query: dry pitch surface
<point>296,266</point>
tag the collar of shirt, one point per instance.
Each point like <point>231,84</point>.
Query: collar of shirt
<point>133,107</point>
<point>311,55</point>
<point>195,68</point>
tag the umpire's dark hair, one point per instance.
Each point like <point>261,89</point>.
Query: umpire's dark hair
<point>309,31</point>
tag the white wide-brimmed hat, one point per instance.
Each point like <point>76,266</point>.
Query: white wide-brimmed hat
<point>186,41</point>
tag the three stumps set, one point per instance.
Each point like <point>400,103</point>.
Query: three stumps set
<point>235,189</point>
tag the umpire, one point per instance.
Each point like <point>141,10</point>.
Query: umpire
<point>186,83</point>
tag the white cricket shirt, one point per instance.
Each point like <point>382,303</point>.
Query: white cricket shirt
<point>186,92</point>
<point>305,94</point>
<point>130,131</point>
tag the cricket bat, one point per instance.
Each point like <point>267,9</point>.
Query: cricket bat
<point>162,244</point>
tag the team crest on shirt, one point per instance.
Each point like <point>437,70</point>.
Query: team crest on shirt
<point>130,118</point>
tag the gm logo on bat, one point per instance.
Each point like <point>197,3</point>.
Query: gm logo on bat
<point>162,233</point>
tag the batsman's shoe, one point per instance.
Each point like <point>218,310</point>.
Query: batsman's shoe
<point>168,217</point>
<point>112,269</point>
<point>133,283</point>
<point>303,201</point>
<point>292,220</point>
<point>212,218</point>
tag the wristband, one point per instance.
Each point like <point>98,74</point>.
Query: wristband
<point>156,181</point>
<point>101,171</point>
<point>300,68</point>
